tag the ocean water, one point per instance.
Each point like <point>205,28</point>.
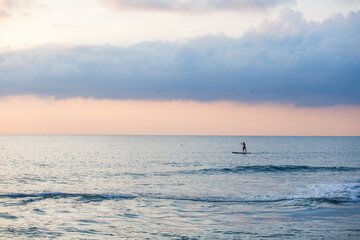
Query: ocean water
<point>179,187</point>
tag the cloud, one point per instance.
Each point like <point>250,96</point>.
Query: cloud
<point>4,14</point>
<point>9,7</point>
<point>288,60</point>
<point>193,5</point>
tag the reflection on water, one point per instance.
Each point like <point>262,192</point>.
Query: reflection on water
<point>177,187</point>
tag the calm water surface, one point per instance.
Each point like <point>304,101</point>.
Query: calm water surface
<point>179,187</point>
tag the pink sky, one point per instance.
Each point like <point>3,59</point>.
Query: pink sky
<point>32,115</point>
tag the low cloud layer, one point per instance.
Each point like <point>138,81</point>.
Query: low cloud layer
<point>193,5</point>
<point>287,61</point>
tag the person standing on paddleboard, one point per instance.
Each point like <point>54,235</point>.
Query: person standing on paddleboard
<point>244,147</point>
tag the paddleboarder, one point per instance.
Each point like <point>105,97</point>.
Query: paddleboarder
<point>244,147</point>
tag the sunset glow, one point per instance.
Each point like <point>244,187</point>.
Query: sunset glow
<point>31,115</point>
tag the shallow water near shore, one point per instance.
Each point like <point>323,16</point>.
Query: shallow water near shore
<point>173,187</point>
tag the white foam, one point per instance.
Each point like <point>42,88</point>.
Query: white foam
<point>330,191</point>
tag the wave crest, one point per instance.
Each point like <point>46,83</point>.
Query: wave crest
<point>273,168</point>
<point>332,193</point>
<point>66,195</point>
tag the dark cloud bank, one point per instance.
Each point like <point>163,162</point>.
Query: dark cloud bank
<point>289,61</point>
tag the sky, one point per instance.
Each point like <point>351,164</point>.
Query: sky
<point>183,67</point>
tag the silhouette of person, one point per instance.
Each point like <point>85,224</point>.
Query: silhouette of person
<point>244,147</point>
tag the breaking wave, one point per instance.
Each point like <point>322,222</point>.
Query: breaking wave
<point>273,169</point>
<point>57,195</point>
<point>332,193</point>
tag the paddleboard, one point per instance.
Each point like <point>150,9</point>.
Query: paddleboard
<point>239,153</point>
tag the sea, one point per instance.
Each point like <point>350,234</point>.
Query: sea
<point>179,187</point>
